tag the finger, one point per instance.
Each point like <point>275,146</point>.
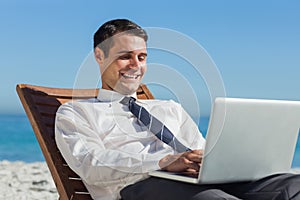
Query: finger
<point>197,151</point>
<point>193,174</point>
<point>193,166</point>
<point>194,157</point>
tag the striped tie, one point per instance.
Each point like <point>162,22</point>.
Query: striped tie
<point>154,125</point>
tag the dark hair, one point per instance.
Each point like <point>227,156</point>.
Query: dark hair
<point>114,27</point>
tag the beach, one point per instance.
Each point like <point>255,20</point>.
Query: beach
<point>32,181</point>
<point>22,181</point>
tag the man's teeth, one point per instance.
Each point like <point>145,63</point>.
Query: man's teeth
<point>130,76</point>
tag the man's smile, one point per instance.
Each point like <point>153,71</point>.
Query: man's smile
<point>130,76</point>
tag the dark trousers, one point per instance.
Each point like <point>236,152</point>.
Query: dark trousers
<point>275,187</point>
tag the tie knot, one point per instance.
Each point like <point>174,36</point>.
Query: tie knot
<point>127,100</point>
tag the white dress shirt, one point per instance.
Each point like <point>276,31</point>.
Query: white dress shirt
<point>105,144</point>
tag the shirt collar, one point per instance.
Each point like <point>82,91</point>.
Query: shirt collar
<point>110,95</point>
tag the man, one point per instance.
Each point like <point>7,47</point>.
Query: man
<point>111,148</point>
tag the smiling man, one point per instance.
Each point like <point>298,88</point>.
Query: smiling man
<point>112,148</point>
<point>124,66</point>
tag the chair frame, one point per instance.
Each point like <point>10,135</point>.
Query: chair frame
<point>40,104</point>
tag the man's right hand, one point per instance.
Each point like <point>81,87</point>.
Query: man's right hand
<point>188,162</point>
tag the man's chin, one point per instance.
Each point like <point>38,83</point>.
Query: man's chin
<point>126,89</point>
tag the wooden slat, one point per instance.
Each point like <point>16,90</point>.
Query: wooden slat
<point>59,92</point>
<point>81,196</point>
<point>45,100</point>
<point>48,120</point>
<point>77,184</point>
<point>146,91</point>
<point>46,109</point>
<point>69,172</point>
<point>142,96</point>
<point>50,130</point>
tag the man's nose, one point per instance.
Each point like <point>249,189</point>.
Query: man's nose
<point>135,63</point>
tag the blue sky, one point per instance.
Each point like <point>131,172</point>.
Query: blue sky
<point>254,44</point>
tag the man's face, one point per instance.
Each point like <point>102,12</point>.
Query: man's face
<point>124,67</point>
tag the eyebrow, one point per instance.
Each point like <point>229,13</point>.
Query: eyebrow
<point>125,51</point>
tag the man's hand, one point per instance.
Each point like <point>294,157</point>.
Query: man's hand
<point>187,162</point>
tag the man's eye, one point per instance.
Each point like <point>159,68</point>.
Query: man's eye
<point>125,57</point>
<point>142,57</point>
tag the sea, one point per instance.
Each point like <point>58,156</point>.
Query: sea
<point>18,142</point>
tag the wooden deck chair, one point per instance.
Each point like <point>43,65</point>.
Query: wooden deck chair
<point>41,104</point>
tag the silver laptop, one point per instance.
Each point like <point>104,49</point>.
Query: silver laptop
<point>247,139</point>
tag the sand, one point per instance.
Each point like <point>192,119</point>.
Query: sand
<point>19,180</point>
<point>22,181</point>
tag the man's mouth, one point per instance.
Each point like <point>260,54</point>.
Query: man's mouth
<point>130,76</point>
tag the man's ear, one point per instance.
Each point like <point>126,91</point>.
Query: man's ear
<point>99,55</point>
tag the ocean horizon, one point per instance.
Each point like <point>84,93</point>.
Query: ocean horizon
<point>18,141</point>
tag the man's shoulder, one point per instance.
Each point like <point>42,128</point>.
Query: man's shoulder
<point>161,103</point>
<point>80,101</point>
<point>77,103</point>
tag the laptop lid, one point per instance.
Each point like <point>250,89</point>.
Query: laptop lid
<point>249,139</point>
